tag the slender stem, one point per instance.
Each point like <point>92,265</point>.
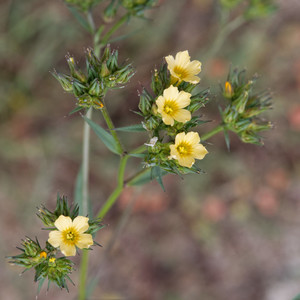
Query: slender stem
<point>111,127</point>
<point>83,274</point>
<point>227,29</point>
<point>85,198</point>
<point>113,29</point>
<point>117,191</point>
<point>209,134</point>
<point>85,163</point>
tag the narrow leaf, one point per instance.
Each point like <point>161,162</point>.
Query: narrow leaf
<point>76,109</point>
<point>106,138</point>
<point>41,282</point>
<point>157,174</point>
<point>80,18</point>
<point>227,140</point>
<point>139,155</point>
<point>132,128</point>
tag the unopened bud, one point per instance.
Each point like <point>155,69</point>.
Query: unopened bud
<point>228,90</point>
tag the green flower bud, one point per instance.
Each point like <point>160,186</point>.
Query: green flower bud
<point>75,72</point>
<point>146,102</point>
<point>96,88</point>
<point>110,12</point>
<point>64,80</point>
<point>241,101</point>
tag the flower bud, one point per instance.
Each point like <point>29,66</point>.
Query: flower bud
<point>146,102</point>
<point>228,90</point>
<point>64,80</point>
<point>75,72</point>
<point>241,101</point>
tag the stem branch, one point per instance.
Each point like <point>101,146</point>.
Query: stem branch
<point>209,134</point>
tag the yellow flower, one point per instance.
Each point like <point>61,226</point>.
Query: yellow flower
<point>43,254</point>
<point>52,260</point>
<point>70,234</point>
<point>187,148</point>
<point>171,105</point>
<point>182,69</point>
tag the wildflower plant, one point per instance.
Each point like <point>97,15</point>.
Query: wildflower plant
<point>171,114</point>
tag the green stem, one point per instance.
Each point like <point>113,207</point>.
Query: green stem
<point>113,29</point>
<point>85,198</point>
<point>83,274</point>
<point>209,134</point>
<point>111,127</point>
<point>223,35</point>
<point>116,193</point>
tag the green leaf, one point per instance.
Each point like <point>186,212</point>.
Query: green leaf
<point>80,18</point>
<point>139,155</point>
<point>297,297</point>
<point>41,282</point>
<point>227,140</point>
<point>132,128</point>
<point>78,191</point>
<point>76,109</point>
<point>157,174</point>
<point>106,138</point>
<point>145,176</point>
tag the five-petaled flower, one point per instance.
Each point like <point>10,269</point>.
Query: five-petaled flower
<point>187,147</point>
<point>171,105</point>
<point>70,234</point>
<point>182,68</point>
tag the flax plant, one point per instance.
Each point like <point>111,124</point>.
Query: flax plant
<point>170,110</point>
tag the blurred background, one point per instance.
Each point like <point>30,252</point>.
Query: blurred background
<point>231,233</point>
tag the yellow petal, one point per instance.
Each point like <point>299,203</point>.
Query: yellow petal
<point>68,249</point>
<point>171,93</point>
<point>167,119</point>
<point>160,102</point>
<point>192,79</point>
<point>192,137</point>
<point>199,151</point>
<point>81,224</point>
<point>179,138</point>
<point>194,67</point>
<point>173,152</point>
<point>63,222</point>
<point>170,61</point>
<point>85,241</point>
<point>183,99</point>
<point>55,238</point>
<point>186,161</point>
<point>182,58</point>
<point>182,115</point>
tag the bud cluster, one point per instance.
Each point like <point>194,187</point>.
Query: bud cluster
<point>45,261</point>
<point>102,74</point>
<point>241,114</point>
<point>254,9</point>
<point>163,131</point>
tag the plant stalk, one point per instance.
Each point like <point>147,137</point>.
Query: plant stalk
<point>209,134</point>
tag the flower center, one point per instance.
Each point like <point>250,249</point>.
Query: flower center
<point>184,149</point>
<point>170,107</point>
<point>70,236</point>
<point>180,72</point>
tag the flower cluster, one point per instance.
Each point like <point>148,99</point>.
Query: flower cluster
<point>102,74</point>
<point>68,232</point>
<point>168,115</point>
<point>137,7</point>
<point>241,114</point>
<point>83,5</point>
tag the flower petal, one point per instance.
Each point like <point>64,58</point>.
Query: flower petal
<point>170,61</point>
<point>179,138</point>
<point>192,79</point>
<point>182,59</point>
<point>168,120</point>
<point>183,99</point>
<point>182,115</point>
<point>199,151</point>
<point>171,93</point>
<point>194,67</point>
<point>55,238</point>
<point>63,222</point>
<point>81,224</point>
<point>192,137</point>
<point>85,241</point>
<point>68,249</point>
<point>173,152</point>
<point>186,161</point>
<point>160,102</point>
